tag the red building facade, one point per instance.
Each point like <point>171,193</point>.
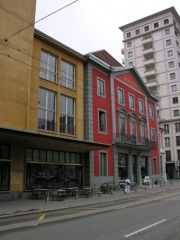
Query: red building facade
<point>119,111</point>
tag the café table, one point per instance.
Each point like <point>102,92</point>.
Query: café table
<point>61,194</point>
<point>40,193</point>
<point>87,191</point>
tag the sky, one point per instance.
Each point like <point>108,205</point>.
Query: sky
<point>91,25</point>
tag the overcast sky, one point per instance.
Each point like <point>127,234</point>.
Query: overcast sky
<point>92,25</point>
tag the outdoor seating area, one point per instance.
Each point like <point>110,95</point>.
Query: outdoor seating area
<point>62,193</point>
<point>66,192</point>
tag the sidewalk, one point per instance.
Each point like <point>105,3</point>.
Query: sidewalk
<point>29,206</point>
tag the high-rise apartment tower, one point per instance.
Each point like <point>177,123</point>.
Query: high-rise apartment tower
<point>152,45</point>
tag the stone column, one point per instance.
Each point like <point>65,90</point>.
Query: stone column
<point>139,177</point>
<point>129,166</point>
<point>148,161</point>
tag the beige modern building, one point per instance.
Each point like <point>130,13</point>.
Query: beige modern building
<point>42,107</point>
<point>152,45</point>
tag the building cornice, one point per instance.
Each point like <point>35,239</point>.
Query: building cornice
<point>62,47</point>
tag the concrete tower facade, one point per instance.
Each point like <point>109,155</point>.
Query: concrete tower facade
<point>152,45</point>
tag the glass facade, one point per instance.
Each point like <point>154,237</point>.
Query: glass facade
<point>5,164</point>
<point>52,169</point>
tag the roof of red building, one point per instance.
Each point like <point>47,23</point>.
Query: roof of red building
<point>106,57</point>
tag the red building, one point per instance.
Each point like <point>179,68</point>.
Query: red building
<point>119,111</point>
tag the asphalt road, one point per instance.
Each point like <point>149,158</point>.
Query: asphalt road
<point>140,219</point>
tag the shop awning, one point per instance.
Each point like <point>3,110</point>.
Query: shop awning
<point>40,140</point>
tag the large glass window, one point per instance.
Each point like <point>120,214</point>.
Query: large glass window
<point>46,110</point>
<point>151,112</point>
<point>4,167</point>
<point>67,74</point>
<point>103,164</point>
<point>143,132</point>
<point>131,102</point>
<point>167,141</point>
<point>168,156</point>
<point>102,121</point>
<point>153,135</point>
<point>133,130</point>
<point>67,115</point>
<point>177,127</point>
<point>122,125</point>
<point>166,128</point>
<point>122,165</point>
<point>176,113</point>
<point>120,96</point>
<point>178,154</point>
<point>141,106</point>
<point>4,175</point>
<point>52,169</point>
<point>178,140</point>
<point>48,66</point>
<point>101,87</point>
<point>155,165</point>
<point>52,176</point>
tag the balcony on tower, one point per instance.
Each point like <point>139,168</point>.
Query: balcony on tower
<point>148,48</point>
<point>150,70</point>
<point>147,39</point>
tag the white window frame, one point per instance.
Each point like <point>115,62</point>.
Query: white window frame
<point>167,141</point>
<point>172,76</point>
<point>166,20</point>
<point>167,31</point>
<point>130,54</point>
<point>129,44</point>
<point>101,87</point>
<point>121,99</point>
<point>171,64</point>
<point>176,113</point>
<point>168,42</point>
<point>47,110</point>
<point>151,112</point>
<point>174,100</point>
<point>131,102</point>
<point>177,127</point>
<point>67,74</point>
<point>103,163</point>
<point>128,35</point>
<point>141,106</point>
<point>146,28</point>
<point>102,127</point>
<point>67,115</point>
<point>137,31</point>
<point>174,88</point>
<point>143,132</point>
<point>48,66</point>
<point>153,134</point>
<point>169,53</point>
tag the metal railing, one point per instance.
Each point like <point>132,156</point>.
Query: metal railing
<point>133,140</point>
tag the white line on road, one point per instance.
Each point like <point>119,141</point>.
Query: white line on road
<point>142,229</point>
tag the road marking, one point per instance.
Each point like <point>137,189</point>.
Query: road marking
<point>142,229</point>
<point>39,219</point>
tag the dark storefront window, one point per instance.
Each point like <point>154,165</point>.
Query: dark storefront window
<point>122,165</point>
<point>168,156</point>
<point>52,169</point>
<point>4,168</point>
<point>4,176</point>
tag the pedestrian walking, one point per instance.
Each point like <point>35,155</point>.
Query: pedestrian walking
<point>170,178</point>
<point>127,185</point>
